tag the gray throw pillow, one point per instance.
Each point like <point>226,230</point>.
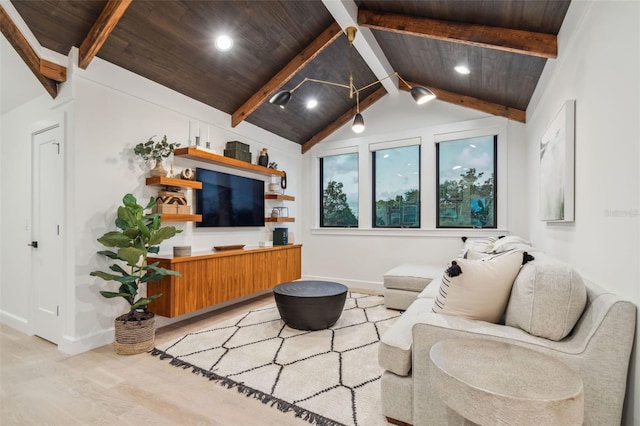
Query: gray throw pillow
<point>547,298</point>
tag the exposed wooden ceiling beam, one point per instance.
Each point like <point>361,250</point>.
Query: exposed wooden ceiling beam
<point>101,29</point>
<point>323,41</point>
<point>26,52</point>
<point>343,119</point>
<point>505,39</point>
<point>473,103</point>
<point>53,71</point>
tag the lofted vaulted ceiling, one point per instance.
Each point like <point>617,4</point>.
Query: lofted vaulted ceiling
<point>277,44</point>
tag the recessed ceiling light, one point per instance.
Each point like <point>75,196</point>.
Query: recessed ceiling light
<point>472,145</point>
<point>461,69</point>
<point>456,167</point>
<point>224,42</point>
<point>312,103</point>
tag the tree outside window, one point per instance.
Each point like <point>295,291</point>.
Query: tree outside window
<point>339,191</point>
<point>396,177</point>
<point>466,179</point>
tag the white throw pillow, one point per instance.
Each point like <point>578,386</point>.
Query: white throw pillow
<point>482,244</point>
<point>478,289</point>
<point>511,242</point>
<point>472,254</point>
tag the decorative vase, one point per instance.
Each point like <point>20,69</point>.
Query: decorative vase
<point>263,159</point>
<point>134,336</point>
<point>158,170</point>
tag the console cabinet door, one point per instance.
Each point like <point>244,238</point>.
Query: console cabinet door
<point>207,281</point>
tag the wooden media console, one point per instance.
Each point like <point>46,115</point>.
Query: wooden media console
<point>220,276</point>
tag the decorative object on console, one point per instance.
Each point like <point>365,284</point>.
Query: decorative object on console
<point>237,150</point>
<point>181,251</point>
<point>229,247</point>
<point>263,159</point>
<point>157,151</point>
<point>137,236</point>
<point>420,94</point>
<point>557,165</point>
<point>280,236</point>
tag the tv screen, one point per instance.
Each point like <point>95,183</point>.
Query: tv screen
<point>228,200</point>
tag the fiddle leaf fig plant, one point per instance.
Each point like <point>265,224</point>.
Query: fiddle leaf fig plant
<point>138,235</point>
<point>155,150</point>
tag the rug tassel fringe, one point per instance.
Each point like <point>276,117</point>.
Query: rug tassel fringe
<point>265,398</point>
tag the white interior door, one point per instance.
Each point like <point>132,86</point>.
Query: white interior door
<point>47,219</point>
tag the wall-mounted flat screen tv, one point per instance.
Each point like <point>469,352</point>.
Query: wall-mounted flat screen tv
<point>228,200</point>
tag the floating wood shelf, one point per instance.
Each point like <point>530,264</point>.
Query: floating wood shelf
<point>279,219</point>
<point>181,217</point>
<point>279,197</point>
<point>196,154</point>
<point>181,183</point>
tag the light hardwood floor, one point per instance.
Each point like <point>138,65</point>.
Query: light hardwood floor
<point>41,386</point>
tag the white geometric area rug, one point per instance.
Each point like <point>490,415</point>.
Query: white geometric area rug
<point>327,377</point>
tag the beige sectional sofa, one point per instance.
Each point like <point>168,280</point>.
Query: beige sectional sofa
<point>550,310</point>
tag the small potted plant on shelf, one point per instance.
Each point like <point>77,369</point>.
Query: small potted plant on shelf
<point>137,236</point>
<point>157,151</point>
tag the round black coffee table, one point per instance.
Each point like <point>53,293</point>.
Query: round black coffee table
<point>310,305</point>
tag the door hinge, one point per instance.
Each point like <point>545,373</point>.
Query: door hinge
<point>58,230</point>
<point>57,311</point>
<point>58,145</point>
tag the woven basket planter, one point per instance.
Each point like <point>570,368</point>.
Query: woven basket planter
<point>134,337</point>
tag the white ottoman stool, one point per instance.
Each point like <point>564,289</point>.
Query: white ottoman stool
<point>403,283</point>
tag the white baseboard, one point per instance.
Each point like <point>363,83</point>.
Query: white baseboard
<point>76,345</point>
<point>15,322</point>
<point>352,284</point>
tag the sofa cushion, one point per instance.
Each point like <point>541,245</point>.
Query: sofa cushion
<point>394,349</point>
<point>414,277</point>
<point>398,299</point>
<point>547,299</point>
<point>431,290</point>
<point>478,289</point>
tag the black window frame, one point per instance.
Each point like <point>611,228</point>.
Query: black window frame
<point>321,201</point>
<point>373,190</point>
<point>495,187</point>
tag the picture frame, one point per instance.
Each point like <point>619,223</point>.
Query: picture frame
<point>557,167</point>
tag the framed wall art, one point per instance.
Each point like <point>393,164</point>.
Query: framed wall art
<point>557,163</point>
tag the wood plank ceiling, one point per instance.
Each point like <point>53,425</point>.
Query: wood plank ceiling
<point>505,43</point>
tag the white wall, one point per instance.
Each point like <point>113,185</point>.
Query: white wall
<point>360,257</point>
<point>107,111</point>
<point>599,67</point>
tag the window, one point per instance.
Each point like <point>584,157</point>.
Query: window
<point>466,182</point>
<point>396,187</point>
<point>339,190</point>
